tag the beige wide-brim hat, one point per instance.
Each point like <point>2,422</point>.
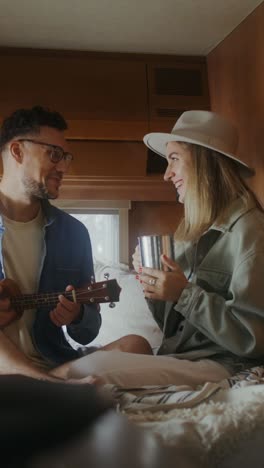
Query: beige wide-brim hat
<point>201,128</point>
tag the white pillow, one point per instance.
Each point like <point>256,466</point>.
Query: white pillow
<point>131,314</point>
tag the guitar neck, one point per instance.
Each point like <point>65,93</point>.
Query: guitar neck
<point>32,301</point>
<point>104,291</point>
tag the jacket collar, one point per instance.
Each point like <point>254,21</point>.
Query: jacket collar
<point>49,212</point>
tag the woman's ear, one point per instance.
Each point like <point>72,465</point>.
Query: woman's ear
<point>16,151</point>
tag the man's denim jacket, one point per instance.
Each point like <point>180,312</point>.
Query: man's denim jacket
<point>67,260</point>
<point>220,313</point>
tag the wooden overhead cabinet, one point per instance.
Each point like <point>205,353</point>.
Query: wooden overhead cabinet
<point>101,98</point>
<point>175,86</point>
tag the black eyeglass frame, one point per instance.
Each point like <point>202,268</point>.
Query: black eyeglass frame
<point>61,154</point>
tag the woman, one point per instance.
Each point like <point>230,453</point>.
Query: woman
<point>209,302</point>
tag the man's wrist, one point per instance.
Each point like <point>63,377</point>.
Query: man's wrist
<point>80,316</point>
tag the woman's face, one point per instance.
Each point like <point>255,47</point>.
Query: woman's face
<point>179,163</point>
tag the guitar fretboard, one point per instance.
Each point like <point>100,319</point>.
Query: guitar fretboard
<point>104,291</point>
<point>30,301</point>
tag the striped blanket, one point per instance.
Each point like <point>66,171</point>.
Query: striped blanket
<point>165,398</point>
<point>213,420</point>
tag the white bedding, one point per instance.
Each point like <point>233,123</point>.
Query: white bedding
<point>131,314</point>
<point>224,421</point>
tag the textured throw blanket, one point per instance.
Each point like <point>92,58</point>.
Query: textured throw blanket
<point>214,418</point>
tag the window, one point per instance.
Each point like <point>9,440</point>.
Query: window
<point>103,228</point>
<point>107,223</point>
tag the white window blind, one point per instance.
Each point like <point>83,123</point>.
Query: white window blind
<point>107,223</point>
<point>104,233</point>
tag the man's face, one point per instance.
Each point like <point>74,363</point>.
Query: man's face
<point>40,175</point>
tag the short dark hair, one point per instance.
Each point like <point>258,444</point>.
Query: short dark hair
<point>24,121</point>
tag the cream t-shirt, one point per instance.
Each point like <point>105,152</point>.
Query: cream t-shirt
<point>23,251</point>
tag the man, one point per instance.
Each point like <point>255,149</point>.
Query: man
<point>43,249</point>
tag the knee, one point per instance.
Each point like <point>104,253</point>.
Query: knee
<point>135,344</point>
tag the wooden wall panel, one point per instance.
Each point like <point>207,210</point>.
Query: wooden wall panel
<point>106,130</point>
<point>236,84</point>
<point>147,218</point>
<point>108,158</point>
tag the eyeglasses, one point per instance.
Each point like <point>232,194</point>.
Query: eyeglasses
<point>56,153</point>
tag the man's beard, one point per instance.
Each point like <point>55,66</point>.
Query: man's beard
<point>37,189</point>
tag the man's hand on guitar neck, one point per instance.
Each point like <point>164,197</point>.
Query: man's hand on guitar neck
<point>7,314</point>
<point>66,311</point>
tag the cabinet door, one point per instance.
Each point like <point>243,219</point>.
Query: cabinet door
<point>98,96</point>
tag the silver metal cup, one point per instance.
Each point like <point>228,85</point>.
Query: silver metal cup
<point>151,248</point>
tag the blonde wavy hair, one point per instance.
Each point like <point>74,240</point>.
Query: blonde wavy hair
<point>213,183</point>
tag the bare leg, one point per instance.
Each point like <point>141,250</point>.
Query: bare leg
<point>13,361</point>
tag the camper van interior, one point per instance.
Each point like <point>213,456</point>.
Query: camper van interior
<point>116,71</point>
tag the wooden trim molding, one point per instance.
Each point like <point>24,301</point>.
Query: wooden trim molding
<point>33,52</point>
<point>149,188</point>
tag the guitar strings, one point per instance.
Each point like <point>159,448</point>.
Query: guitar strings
<point>45,297</point>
